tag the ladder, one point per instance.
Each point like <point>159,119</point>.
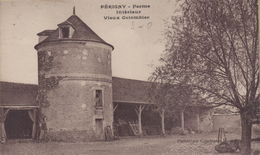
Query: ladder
<point>134,128</point>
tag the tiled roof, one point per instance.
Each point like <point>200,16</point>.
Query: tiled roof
<point>136,92</point>
<point>130,91</point>
<point>82,32</point>
<point>17,94</point>
<point>124,91</point>
<point>45,33</point>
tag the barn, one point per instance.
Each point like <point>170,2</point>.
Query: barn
<point>18,108</point>
<point>78,96</point>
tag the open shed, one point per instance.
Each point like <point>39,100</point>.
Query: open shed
<point>133,111</point>
<point>18,110</point>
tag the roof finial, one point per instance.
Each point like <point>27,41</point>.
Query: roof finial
<point>74,10</point>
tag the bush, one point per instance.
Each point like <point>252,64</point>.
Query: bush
<point>230,146</point>
<point>178,131</point>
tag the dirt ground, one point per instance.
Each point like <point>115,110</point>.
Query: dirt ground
<point>196,144</point>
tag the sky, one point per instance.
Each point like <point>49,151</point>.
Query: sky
<point>138,43</point>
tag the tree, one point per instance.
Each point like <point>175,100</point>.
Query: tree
<point>213,47</point>
<point>169,98</point>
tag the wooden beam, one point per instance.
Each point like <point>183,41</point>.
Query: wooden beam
<point>131,102</point>
<point>198,121</point>
<point>162,113</point>
<point>34,123</point>
<point>182,120</point>
<point>18,107</point>
<point>139,108</point>
<point>138,111</point>
<point>3,115</point>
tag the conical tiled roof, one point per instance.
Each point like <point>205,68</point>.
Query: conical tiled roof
<point>82,32</point>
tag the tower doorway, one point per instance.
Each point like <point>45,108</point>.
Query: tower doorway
<point>99,128</point>
<point>18,125</point>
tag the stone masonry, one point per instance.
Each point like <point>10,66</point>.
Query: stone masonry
<point>72,69</point>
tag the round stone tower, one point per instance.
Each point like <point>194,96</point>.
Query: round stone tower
<point>75,81</point>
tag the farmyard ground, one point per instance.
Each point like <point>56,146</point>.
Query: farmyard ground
<point>196,144</point>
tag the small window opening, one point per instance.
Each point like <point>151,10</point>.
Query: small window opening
<point>99,101</point>
<point>65,32</point>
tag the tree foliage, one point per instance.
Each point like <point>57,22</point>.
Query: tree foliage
<point>212,46</point>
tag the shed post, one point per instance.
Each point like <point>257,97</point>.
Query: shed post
<point>3,114</point>
<point>198,120</point>
<point>182,120</point>
<point>138,111</point>
<point>162,112</point>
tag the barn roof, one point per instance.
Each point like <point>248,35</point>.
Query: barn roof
<point>124,91</point>
<point>82,32</point>
<point>45,33</point>
<point>130,91</point>
<point>17,94</point>
<point>136,92</point>
<point>17,86</point>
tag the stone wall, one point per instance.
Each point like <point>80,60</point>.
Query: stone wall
<point>89,59</point>
<point>78,70</point>
<point>230,122</point>
<point>72,108</point>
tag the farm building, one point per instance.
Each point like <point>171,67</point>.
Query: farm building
<point>78,96</point>
<point>18,109</point>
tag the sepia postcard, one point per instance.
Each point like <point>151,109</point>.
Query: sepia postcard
<point>120,77</point>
